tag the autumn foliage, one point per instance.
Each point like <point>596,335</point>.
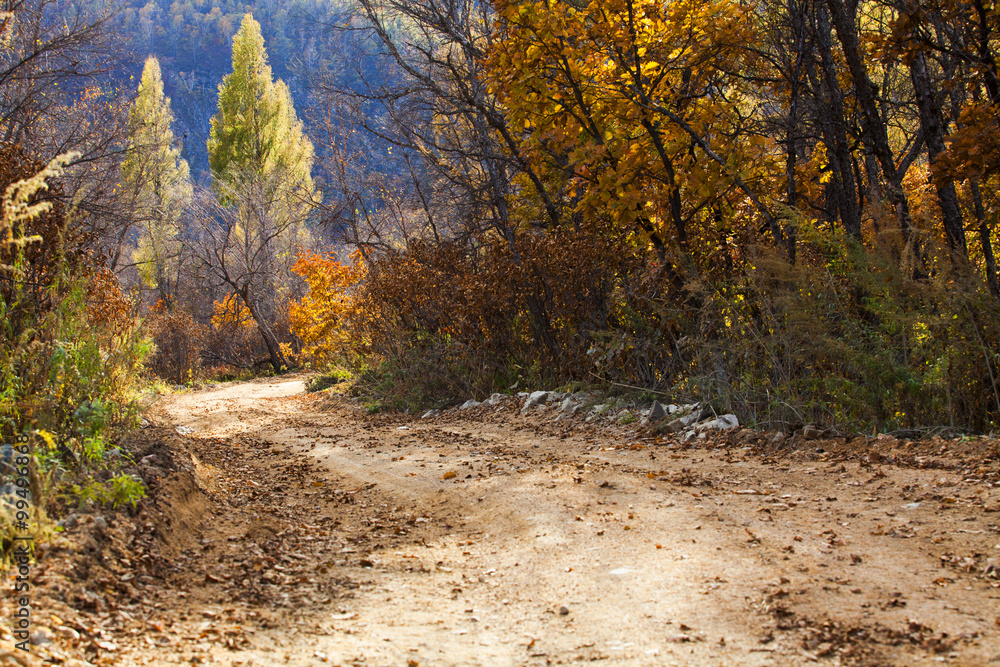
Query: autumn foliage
<point>110,311</point>
<point>232,337</point>
<point>621,107</point>
<point>179,341</point>
<point>456,323</point>
<point>787,209</point>
<point>70,344</point>
<point>321,318</point>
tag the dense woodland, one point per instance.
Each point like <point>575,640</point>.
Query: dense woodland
<point>787,208</point>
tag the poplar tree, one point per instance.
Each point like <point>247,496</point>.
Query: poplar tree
<point>255,135</point>
<point>160,183</point>
<point>261,165</point>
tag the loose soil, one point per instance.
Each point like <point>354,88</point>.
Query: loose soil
<point>295,529</point>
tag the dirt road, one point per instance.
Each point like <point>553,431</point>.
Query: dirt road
<point>295,529</point>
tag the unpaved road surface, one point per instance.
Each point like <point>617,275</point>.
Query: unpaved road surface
<point>297,529</point>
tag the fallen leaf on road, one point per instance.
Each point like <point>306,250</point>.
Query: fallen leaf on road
<point>342,617</point>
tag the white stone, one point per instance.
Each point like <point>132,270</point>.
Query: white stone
<point>536,398</point>
<point>495,399</point>
<point>721,423</point>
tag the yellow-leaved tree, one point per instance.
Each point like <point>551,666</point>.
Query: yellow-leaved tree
<point>628,108</point>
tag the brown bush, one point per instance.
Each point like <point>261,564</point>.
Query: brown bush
<point>454,320</point>
<point>843,338</point>
<point>178,339</point>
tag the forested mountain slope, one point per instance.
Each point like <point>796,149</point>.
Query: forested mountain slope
<point>192,41</point>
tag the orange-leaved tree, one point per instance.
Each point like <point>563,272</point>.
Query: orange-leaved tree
<point>231,313</point>
<point>234,338</point>
<point>321,318</point>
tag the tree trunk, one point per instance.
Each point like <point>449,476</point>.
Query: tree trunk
<point>797,20</point>
<point>875,134</point>
<point>984,51</point>
<point>675,191</point>
<point>934,133</point>
<point>834,123</point>
<point>277,359</point>
<point>985,241</point>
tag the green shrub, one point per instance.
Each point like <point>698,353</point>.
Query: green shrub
<point>329,379</point>
<point>118,491</point>
<point>70,349</point>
